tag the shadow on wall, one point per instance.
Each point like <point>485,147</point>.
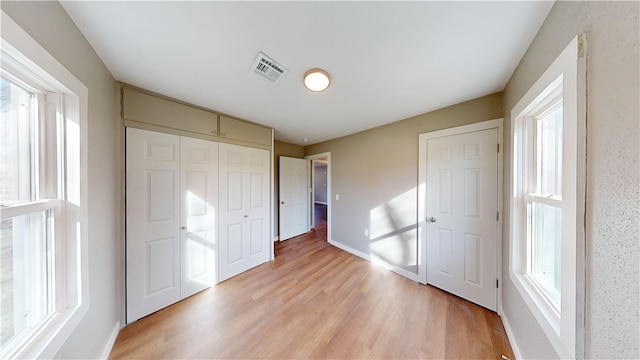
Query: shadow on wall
<point>393,232</point>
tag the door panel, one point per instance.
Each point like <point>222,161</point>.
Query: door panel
<point>197,261</point>
<point>462,198</point>
<point>294,197</point>
<point>234,195</point>
<point>235,236</point>
<point>160,263</point>
<point>444,185</point>
<point>257,237</point>
<point>444,240</point>
<point>160,208</point>
<point>257,190</point>
<point>244,215</point>
<point>199,197</point>
<point>471,192</point>
<point>153,222</point>
<point>472,252</point>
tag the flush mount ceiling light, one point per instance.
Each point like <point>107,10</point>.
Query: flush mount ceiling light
<point>316,80</point>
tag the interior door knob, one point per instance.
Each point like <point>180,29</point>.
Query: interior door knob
<point>184,228</point>
<point>282,202</point>
<point>431,219</point>
<point>246,216</point>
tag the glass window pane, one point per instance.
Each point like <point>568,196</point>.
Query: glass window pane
<point>17,144</point>
<point>545,252</point>
<point>26,277</point>
<point>549,159</point>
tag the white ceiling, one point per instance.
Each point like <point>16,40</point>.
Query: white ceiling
<point>388,60</point>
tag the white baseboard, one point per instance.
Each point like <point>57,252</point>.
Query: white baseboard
<point>320,202</point>
<point>510,336</point>
<point>106,350</point>
<point>349,249</point>
<point>391,267</point>
<point>400,271</point>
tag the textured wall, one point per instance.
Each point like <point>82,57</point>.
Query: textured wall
<point>613,173</point>
<point>375,172</point>
<point>49,24</point>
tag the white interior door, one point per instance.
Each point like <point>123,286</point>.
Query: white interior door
<point>294,197</point>
<point>153,222</point>
<point>461,211</point>
<point>198,189</point>
<point>244,209</point>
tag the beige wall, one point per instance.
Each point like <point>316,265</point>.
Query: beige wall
<point>49,24</point>
<point>281,148</point>
<point>613,185</point>
<point>375,173</point>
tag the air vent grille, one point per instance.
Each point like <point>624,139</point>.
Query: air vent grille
<point>268,68</point>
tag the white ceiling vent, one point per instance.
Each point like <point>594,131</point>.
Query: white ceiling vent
<point>268,68</point>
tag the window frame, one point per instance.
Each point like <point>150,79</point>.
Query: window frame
<point>564,328</point>
<point>25,58</point>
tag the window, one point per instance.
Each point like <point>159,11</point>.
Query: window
<point>28,215</point>
<point>542,194</point>
<point>42,243</point>
<point>546,169</point>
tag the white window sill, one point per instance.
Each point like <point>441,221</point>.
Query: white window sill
<point>547,318</point>
<point>45,341</point>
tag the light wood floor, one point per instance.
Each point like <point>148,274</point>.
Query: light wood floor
<point>316,301</point>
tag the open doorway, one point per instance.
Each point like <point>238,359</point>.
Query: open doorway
<point>320,195</point>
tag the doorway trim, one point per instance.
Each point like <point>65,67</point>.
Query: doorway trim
<point>325,155</point>
<point>422,195</point>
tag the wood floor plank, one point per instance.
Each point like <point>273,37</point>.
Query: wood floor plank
<point>317,301</point>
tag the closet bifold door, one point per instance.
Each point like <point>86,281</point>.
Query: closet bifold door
<point>199,205</point>
<point>153,221</point>
<point>244,209</point>
<point>172,185</point>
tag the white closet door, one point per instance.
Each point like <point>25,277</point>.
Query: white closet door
<point>199,202</point>
<point>153,222</point>
<point>244,209</point>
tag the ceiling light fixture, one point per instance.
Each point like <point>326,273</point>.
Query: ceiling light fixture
<point>316,80</point>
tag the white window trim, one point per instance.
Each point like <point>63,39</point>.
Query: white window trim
<point>24,50</point>
<point>565,332</point>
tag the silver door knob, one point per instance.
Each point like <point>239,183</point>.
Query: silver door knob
<point>246,216</point>
<point>431,219</point>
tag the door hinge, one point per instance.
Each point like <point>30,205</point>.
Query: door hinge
<point>498,216</point>
<point>497,283</point>
<point>498,148</point>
